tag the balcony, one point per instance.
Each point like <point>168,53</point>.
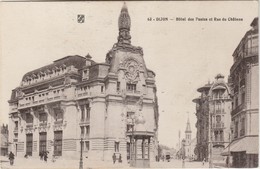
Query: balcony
<point>238,109</point>
<point>220,98</point>
<point>42,101</point>
<point>59,124</point>
<point>84,94</point>
<point>84,122</point>
<point>218,125</point>
<point>132,93</point>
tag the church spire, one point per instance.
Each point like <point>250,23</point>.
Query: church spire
<point>188,130</point>
<point>124,25</point>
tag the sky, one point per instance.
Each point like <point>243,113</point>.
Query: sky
<point>184,54</point>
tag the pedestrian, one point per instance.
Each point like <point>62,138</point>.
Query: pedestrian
<point>120,158</point>
<point>203,161</point>
<point>11,158</point>
<point>45,156</point>
<point>114,158</point>
<point>41,155</point>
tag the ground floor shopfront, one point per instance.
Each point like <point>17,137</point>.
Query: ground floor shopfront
<point>243,152</point>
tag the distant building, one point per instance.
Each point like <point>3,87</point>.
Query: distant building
<point>202,124</point>
<point>76,98</point>
<point>190,143</point>
<point>244,75</point>
<point>213,109</point>
<point>220,108</point>
<point>4,140</point>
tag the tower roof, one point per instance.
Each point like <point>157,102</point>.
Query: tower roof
<point>124,21</point>
<point>188,130</point>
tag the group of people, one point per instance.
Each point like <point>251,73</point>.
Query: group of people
<point>119,158</point>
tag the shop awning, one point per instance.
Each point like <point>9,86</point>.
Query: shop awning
<point>246,144</point>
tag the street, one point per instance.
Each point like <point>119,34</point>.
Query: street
<point>35,163</point>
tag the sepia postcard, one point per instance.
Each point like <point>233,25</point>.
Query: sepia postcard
<point>134,84</point>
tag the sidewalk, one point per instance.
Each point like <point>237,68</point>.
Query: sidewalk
<point>36,163</point>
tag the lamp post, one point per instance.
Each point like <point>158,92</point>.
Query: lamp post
<point>80,160</point>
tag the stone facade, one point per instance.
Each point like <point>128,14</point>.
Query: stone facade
<point>213,109</point>
<point>245,88</point>
<point>75,97</point>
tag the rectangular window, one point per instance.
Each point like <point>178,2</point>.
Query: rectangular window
<point>102,89</point>
<point>243,98</point>
<point>29,144</point>
<point>57,143</point>
<point>87,145</point>
<point>116,146</point>
<point>87,131</point>
<point>43,117</point>
<point>58,115</point>
<point>29,118</point>
<point>82,112</point>
<point>88,111</point>
<point>117,86</point>
<point>131,87</point>
<point>16,125</point>
<point>82,131</point>
<point>42,142</point>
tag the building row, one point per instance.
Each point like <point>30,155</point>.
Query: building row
<point>75,98</point>
<point>227,112</point>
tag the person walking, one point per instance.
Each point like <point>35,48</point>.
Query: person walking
<point>41,155</point>
<point>11,158</point>
<point>114,158</point>
<point>45,156</point>
<point>120,158</point>
<point>203,161</point>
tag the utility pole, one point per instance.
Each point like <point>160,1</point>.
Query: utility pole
<point>210,140</point>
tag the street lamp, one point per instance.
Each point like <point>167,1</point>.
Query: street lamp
<point>80,160</point>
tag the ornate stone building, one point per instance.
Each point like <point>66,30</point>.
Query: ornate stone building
<point>244,75</point>
<point>75,97</point>
<point>220,118</point>
<point>213,109</point>
<point>202,125</point>
<point>4,140</point>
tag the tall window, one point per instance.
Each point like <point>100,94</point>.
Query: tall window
<point>243,126</point>
<point>87,145</point>
<point>58,115</point>
<point>42,142</point>
<point>116,146</point>
<point>117,86</point>
<point>43,117</point>
<point>131,87</point>
<point>88,111</point>
<point>16,125</point>
<point>87,131</point>
<point>57,143</point>
<point>29,144</point>
<point>243,98</point>
<point>82,108</point>
<point>29,118</point>
<point>82,131</point>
